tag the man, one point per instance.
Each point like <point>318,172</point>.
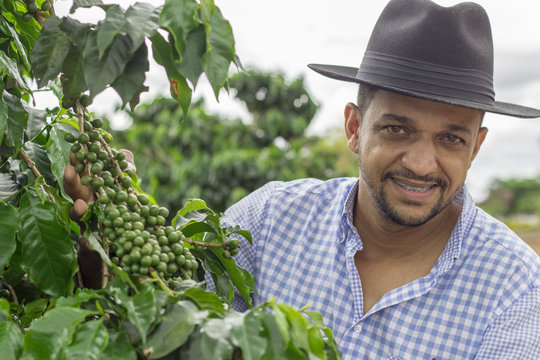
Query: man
<point>400,262</point>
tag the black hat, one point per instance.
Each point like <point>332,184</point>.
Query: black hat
<point>424,50</point>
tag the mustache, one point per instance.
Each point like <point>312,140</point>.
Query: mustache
<point>409,175</point>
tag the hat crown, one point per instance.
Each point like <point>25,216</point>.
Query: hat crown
<point>458,36</point>
<point>421,49</point>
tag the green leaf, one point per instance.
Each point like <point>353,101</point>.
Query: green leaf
<point>237,230</point>
<point>191,229</point>
<point>80,297</point>
<point>3,119</point>
<point>205,300</point>
<point>8,186</point>
<point>76,31</point>
<point>141,21</point>
<point>207,9</point>
<point>95,244</point>
<point>37,120</point>
<point>131,82</point>
<point>247,336</point>
<point>190,212</point>
<point>100,73</point>
<point>141,310</point>
<point>242,280</point>
<point>193,205</point>
<point>38,155</point>
<point>49,51</point>
<point>220,51</point>
<point>11,69</point>
<point>34,310</point>
<point>11,340</point>
<point>9,30</point>
<point>58,153</point>
<point>47,250</point>
<point>86,3</point>
<point>109,28</point>
<point>163,54</point>
<point>216,269</point>
<point>178,17</point>
<point>183,93</point>
<point>17,119</point>
<point>73,80</point>
<point>276,343</point>
<point>5,310</point>
<point>49,334</point>
<point>214,343</point>
<point>89,341</point>
<point>298,327</point>
<point>119,348</point>
<point>191,66</point>
<point>178,323</point>
<point>9,224</point>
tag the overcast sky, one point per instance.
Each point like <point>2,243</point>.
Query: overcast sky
<point>286,35</point>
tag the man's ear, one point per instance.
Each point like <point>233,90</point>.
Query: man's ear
<point>479,140</point>
<point>352,125</point>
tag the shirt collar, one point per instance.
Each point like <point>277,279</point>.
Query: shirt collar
<point>453,249</point>
<point>347,218</point>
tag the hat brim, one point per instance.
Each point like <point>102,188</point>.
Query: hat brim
<point>349,74</point>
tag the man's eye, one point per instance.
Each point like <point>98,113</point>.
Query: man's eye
<point>395,130</point>
<point>453,139</point>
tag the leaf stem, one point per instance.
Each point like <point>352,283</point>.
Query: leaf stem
<point>13,294</point>
<point>6,200</point>
<point>199,243</point>
<point>161,284</point>
<point>35,171</point>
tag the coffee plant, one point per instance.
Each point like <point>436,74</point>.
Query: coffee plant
<point>104,275</point>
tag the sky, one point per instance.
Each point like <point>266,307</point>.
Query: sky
<point>286,35</point>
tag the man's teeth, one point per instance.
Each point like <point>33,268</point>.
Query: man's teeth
<point>413,188</point>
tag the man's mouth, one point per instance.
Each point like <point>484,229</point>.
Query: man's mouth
<point>414,187</point>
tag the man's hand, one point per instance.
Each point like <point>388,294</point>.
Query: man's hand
<point>83,194</point>
<point>91,267</point>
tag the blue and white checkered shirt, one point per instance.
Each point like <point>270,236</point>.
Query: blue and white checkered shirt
<point>481,300</point>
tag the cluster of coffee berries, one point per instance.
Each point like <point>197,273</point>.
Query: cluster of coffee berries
<point>232,248</point>
<point>32,8</point>
<point>139,240</point>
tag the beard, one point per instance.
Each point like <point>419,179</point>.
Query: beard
<point>392,212</point>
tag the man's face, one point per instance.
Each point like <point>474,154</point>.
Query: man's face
<point>413,154</point>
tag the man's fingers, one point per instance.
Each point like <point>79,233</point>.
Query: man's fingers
<point>129,159</point>
<point>71,181</point>
<point>78,209</point>
<point>72,160</point>
<point>73,186</point>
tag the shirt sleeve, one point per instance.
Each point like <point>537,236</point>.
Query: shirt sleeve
<point>515,334</point>
<point>250,214</point>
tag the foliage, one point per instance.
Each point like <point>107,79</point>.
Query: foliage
<point>46,312</point>
<point>513,197</point>
<point>225,159</point>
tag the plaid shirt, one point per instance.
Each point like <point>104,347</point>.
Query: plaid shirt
<point>481,300</point>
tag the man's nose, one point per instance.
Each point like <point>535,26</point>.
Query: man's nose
<point>421,157</point>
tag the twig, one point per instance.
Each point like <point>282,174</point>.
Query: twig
<point>161,284</point>
<point>13,294</point>
<point>35,171</point>
<point>80,280</point>
<point>193,242</point>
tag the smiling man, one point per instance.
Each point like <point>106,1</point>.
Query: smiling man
<point>400,262</point>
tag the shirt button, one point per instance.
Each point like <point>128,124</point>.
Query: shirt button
<point>358,329</point>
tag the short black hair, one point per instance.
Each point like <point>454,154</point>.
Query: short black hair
<point>366,93</point>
